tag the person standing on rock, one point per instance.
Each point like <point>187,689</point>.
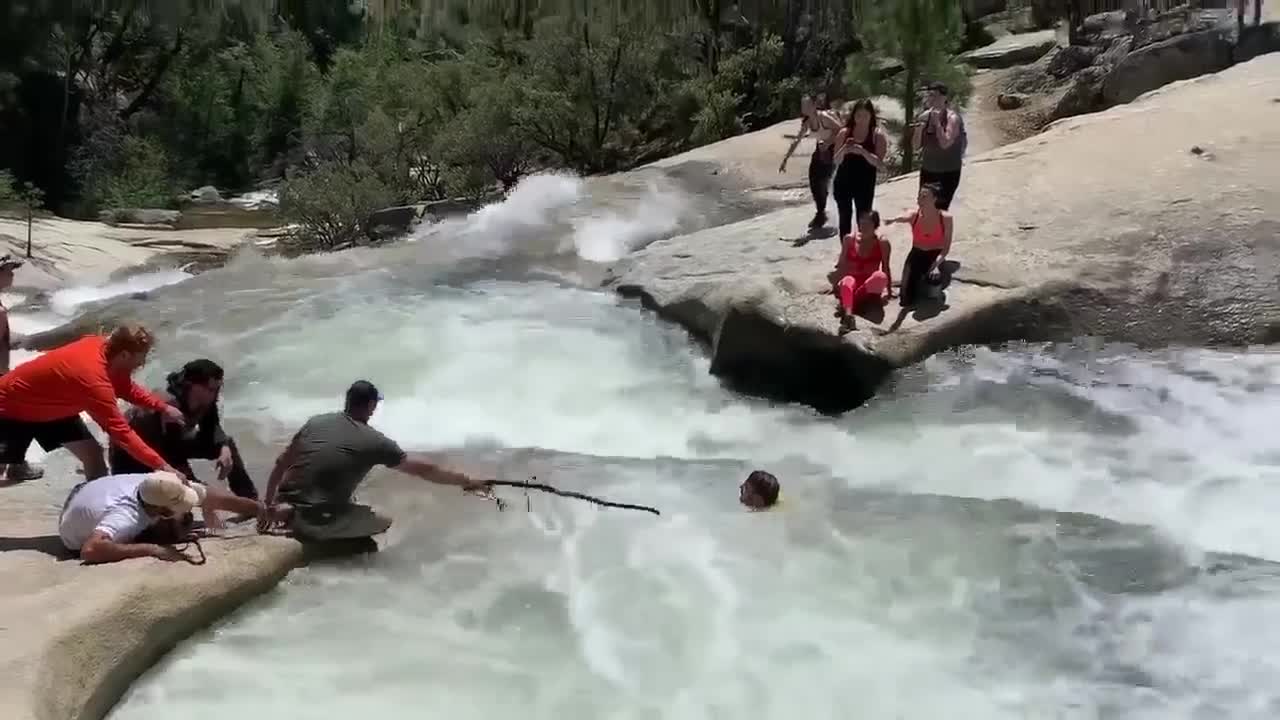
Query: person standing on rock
<point>931,229</point>
<point>940,134</point>
<point>42,400</point>
<point>818,118</point>
<point>860,150</point>
<point>19,471</point>
<point>194,390</point>
<point>319,471</point>
<point>862,269</point>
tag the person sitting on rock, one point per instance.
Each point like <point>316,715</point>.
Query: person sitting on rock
<point>117,517</point>
<point>759,491</point>
<point>931,230</point>
<point>862,268</point>
<point>42,399</point>
<point>194,390</point>
<point>328,458</point>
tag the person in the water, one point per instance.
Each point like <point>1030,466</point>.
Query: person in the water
<point>759,491</point>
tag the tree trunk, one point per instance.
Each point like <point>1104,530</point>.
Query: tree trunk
<point>908,114</point>
<point>154,81</point>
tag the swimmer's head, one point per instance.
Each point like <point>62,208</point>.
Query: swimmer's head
<point>759,491</point>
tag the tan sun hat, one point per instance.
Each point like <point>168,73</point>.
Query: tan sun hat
<point>166,490</point>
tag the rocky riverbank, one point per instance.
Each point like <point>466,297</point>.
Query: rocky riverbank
<point>1152,223</point>
<point>72,638</point>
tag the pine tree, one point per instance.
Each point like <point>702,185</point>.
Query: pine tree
<point>923,36</point>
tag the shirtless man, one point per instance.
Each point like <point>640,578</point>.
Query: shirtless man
<point>318,473</point>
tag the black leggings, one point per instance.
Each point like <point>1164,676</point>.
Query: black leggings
<point>948,181</point>
<point>238,479</point>
<point>915,271</point>
<point>855,189</point>
<point>820,167</point>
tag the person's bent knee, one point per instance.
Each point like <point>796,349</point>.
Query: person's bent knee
<point>877,283</point>
<point>848,282</point>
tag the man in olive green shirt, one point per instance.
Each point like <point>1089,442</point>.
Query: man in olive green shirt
<point>327,460</point>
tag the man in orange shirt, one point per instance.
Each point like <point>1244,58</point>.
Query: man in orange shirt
<point>42,400</point>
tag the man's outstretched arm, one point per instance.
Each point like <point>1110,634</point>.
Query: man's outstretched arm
<point>424,467</point>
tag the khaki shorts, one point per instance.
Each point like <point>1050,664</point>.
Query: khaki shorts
<point>353,521</point>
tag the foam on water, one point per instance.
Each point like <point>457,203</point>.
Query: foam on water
<point>967,545</point>
<point>557,212</point>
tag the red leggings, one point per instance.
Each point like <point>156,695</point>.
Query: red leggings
<point>854,291</point>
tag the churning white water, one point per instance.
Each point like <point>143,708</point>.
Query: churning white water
<point>1043,532</point>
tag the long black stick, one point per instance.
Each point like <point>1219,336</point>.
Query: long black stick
<point>569,494</point>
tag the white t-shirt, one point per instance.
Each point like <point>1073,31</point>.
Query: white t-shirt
<point>109,504</point>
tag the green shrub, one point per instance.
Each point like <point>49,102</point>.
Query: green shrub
<point>330,207</point>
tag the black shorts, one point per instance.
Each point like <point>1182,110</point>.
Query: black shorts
<point>16,436</point>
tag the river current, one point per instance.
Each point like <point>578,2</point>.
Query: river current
<point>1076,531</point>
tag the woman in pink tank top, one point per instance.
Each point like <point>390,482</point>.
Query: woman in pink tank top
<point>930,244</point>
<point>863,268</point>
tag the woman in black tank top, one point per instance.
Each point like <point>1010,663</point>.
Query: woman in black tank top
<point>860,151</point>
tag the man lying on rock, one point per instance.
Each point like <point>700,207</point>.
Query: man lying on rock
<point>193,390</point>
<point>118,517</point>
<point>317,474</point>
<point>42,399</point>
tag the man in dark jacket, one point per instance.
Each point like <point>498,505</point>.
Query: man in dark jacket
<point>194,390</point>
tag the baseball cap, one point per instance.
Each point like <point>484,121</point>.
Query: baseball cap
<point>937,87</point>
<point>166,490</point>
<point>362,392</point>
<point>9,261</point>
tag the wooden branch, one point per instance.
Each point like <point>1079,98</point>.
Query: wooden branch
<point>569,494</point>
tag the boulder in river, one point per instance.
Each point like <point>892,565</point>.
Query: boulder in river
<point>1104,225</point>
<point>207,195</point>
